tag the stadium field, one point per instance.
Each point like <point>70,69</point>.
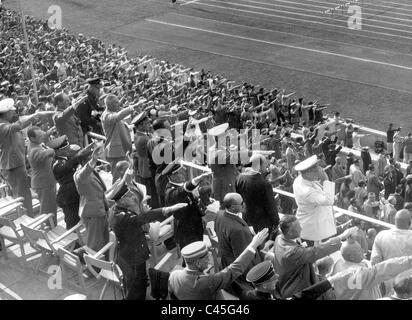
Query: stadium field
<point>299,45</point>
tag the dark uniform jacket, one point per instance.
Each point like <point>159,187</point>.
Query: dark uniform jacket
<point>63,170</point>
<point>131,241</point>
<point>310,293</point>
<point>84,113</point>
<point>188,223</point>
<point>261,210</point>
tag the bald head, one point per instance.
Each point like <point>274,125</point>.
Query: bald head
<point>403,219</point>
<point>259,162</point>
<point>352,251</point>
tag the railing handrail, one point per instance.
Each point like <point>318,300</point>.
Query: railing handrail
<point>340,210</point>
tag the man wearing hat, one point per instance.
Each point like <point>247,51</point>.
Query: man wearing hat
<point>264,279</point>
<point>42,180</point>
<point>142,128</point>
<point>93,207</point>
<point>224,171</point>
<point>314,197</point>
<point>66,121</point>
<point>127,219</point>
<point>188,223</point>
<point>66,160</point>
<point>13,153</point>
<point>192,283</point>
<point>260,205</point>
<point>84,111</point>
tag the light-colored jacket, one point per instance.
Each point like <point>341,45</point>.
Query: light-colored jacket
<point>40,160</point>
<point>91,189</point>
<point>117,133</point>
<point>389,244</point>
<point>314,212</point>
<point>12,149</point>
<point>359,282</point>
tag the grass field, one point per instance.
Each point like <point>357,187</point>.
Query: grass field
<point>293,44</point>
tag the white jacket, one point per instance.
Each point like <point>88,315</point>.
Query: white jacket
<point>314,212</point>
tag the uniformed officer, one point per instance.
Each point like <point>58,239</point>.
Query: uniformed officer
<point>192,283</point>
<point>264,278</point>
<point>188,224</point>
<point>141,159</point>
<point>127,219</point>
<point>84,111</point>
<point>67,158</point>
<point>224,170</point>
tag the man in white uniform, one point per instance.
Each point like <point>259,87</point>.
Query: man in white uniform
<point>314,195</point>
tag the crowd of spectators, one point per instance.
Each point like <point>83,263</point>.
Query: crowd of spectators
<point>84,86</point>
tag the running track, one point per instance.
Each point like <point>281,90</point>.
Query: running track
<point>291,44</point>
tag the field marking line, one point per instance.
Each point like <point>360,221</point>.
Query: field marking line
<point>264,62</point>
<point>283,45</point>
<point>10,292</point>
<point>189,2</point>
<point>303,20</point>
<point>321,16</point>
<point>328,6</point>
<point>385,51</point>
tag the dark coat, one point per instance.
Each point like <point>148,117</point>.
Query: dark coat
<point>84,113</point>
<point>63,171</point>
<point>131,240</point>
<point>310,293</point>
<point>188,223</point>
<point>261,209</point>
<point>234,236</point>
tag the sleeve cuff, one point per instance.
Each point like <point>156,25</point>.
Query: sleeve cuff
<point>251,249</point>
<point>189,186</point>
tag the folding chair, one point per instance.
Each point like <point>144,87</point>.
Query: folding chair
<point>213,244</point>
<point>11,231</point>
<point>49,242</point>
<point>109,270</point>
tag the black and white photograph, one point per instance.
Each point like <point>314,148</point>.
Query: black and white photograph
<point>200,155</point>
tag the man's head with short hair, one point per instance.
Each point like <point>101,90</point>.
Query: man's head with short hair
<point>403,219</point>
<point>121,167</point>
<point>290,227</point>
<point>371,233</point>
<point>408,206</point>
<point>324,265</point>
<point>259,162</point>
<point>351,251</point>
<point>392,200</point>
<point>233,202</point>
<point>35,134</point>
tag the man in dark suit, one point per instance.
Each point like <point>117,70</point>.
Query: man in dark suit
<point>126,219</point>
<point>294,262</point>
<point>261,210</point>
<point>234,236</point>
